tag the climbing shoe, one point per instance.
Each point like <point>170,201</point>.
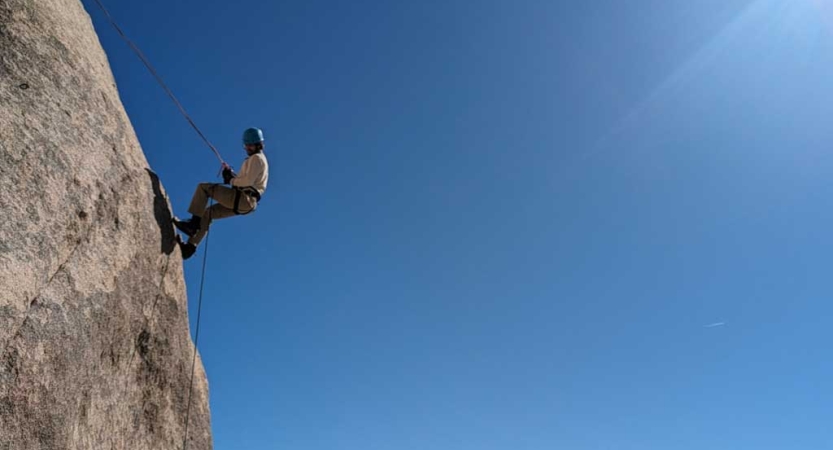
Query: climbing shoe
<point>187,249</point>
<point>188,227</point>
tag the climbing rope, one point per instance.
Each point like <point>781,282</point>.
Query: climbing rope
<point>197,334</point>
<point>185,114</point>
<point>158,79</point>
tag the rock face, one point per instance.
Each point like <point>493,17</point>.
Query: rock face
<point>95,351</point>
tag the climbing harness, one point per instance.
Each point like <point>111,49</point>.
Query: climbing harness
<point>158,79</point>
<point>249,191</point>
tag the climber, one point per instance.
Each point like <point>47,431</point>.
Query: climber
<point>241,198</point>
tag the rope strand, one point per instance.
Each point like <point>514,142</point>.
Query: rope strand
<point>185,114</point>
<point>158,79</point>
<point>197,334</point>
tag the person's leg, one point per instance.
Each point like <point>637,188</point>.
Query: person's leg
<point>216,211</point>
<point>222,194</point>
<point>205,191</point>
<point>246,204</point>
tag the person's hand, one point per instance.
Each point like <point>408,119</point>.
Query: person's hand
<point>228,174</point>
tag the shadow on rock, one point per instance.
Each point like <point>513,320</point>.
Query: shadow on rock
<point>162,213</point>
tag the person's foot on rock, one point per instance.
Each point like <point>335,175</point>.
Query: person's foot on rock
<point>188,249</point>
<point>187,227</point>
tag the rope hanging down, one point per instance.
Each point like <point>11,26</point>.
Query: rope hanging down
<point>158,79</point>
<point>196,338</point>
<point>216,153</point>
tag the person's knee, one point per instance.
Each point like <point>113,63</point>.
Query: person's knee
<point>207,189</point>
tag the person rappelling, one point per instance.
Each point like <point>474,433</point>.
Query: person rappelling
<point>240,197</point>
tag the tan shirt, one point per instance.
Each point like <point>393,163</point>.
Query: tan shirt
<point>254,173</point>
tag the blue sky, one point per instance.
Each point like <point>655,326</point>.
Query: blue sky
<point>504,225</point>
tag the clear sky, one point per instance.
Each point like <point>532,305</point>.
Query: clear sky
<point>506,224</point>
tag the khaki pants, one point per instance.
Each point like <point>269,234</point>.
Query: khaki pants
<point>224,207</point>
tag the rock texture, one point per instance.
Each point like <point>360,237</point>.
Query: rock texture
<point>95,351</point>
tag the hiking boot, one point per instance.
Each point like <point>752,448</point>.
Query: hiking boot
<point>188,249</point>
<point>187,227</point>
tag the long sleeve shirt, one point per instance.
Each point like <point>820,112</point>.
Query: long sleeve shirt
<point>254,173</point>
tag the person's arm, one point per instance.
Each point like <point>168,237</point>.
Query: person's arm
<point>252,169</point>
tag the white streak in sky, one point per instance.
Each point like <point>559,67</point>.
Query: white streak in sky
<point>689,70</point>
<point>715,325</point>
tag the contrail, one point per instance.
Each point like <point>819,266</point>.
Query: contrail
<point>715,325</point>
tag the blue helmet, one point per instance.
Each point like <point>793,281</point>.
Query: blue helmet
<point>253,136</point>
